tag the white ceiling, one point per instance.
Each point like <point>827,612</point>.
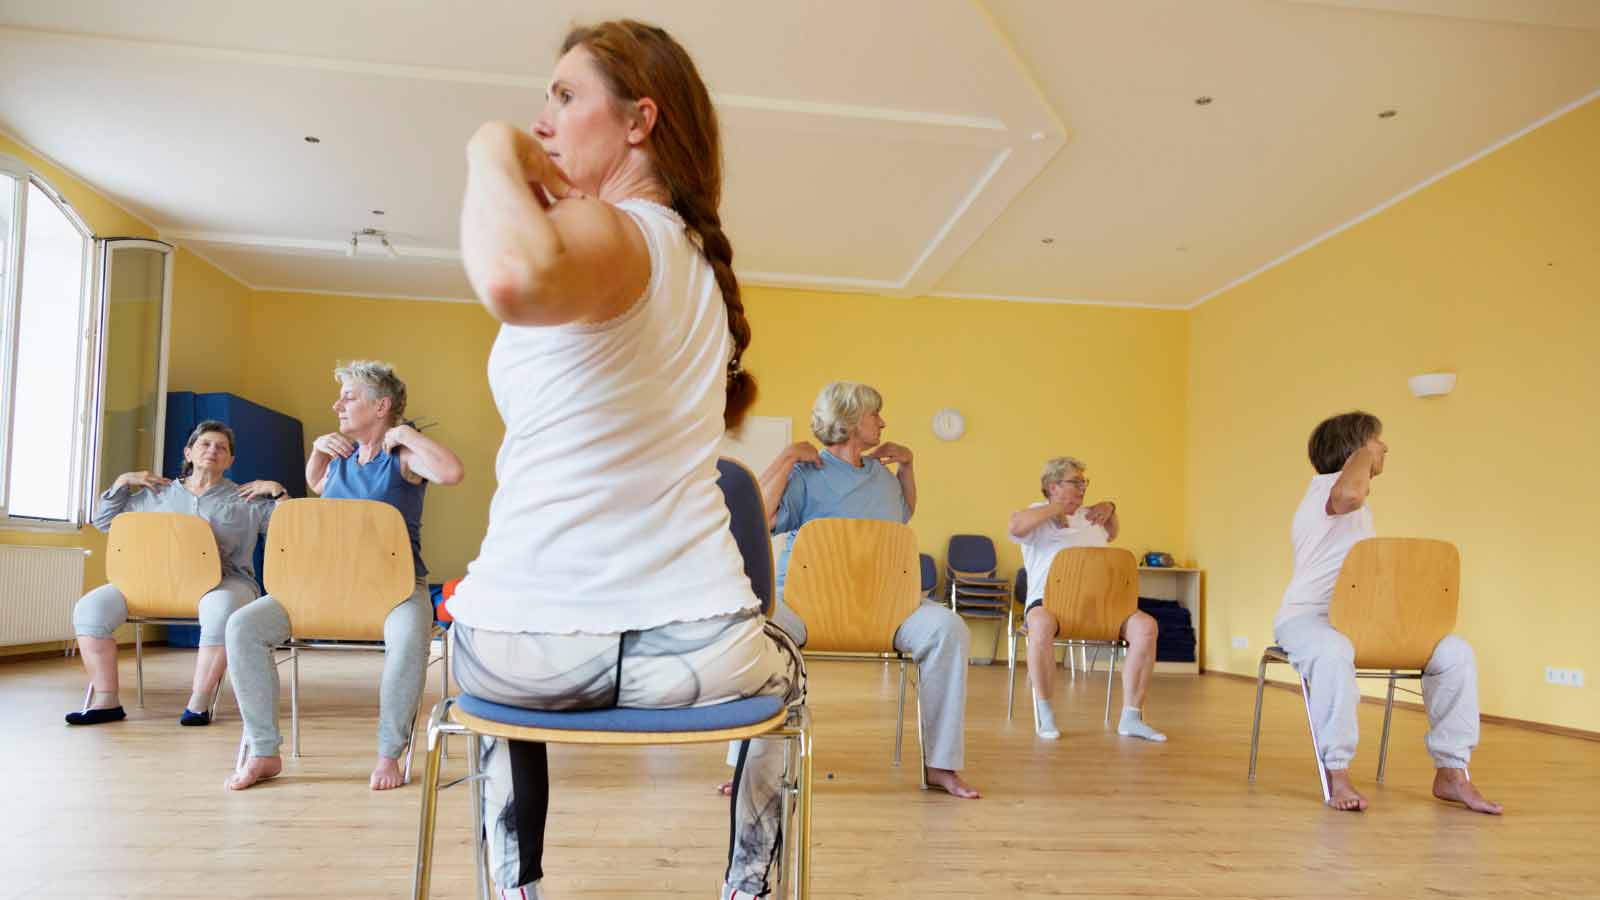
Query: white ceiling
<point>898,146</point>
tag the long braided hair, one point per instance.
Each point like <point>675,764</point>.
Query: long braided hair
<point>636,61</point>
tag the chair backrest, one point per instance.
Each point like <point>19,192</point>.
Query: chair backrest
<point>1396,599</point>
<point>930,573</point>
<point>1091,591</point>
<point>1019,590</point>
<point>338,566</point>
<point>970,554</point>
<point>747,519</point>
<point>853,581</point>
<point>162,562</point>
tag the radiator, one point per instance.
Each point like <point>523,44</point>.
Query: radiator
<point>38,586</point>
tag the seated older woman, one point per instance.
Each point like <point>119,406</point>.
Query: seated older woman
<point>1045,529</point>
<point>849,478</point>
<point>237,514</point>
<point>375,455</point>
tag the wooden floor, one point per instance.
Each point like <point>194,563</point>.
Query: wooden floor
<point>137,809</point>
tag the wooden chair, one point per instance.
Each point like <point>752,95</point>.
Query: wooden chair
<point>737,720</point>
<point>1091,591</point>
<point>853,582</point>
<point>338,567</point>
<point>1395,599</point>
<point>163,563</point>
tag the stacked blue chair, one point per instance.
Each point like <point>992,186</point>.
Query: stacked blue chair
<point>737,720</point>
<point>976,591</point>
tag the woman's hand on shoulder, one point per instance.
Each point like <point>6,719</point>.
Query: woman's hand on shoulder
<point>887,453</point>
<point>334,444</point>
<point>804,452</point>
<point>148,480</point>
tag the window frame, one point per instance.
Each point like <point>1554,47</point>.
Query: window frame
<point>85,393</point>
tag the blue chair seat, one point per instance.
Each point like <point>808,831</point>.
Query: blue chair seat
<point>733,714</point>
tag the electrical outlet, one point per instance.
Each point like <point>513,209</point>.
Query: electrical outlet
<point>1563,677</point>
<point>1240,642</point>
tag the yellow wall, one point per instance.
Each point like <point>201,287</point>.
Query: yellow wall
<point>208,334</point>
<point>1493,273</point>
<point>441,350</point>
<point>1032,380</point>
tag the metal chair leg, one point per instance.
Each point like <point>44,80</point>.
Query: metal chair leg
<point>138,659</point>
<point>244,744</point>
<point>430,811</point>
<point>1388,712</point>
<point>806,758</point>
<point>1011,672</point>
<point>922,743</point>
<point>1322,771</point>
<point>294,702</point>
<point>1255,723</point>
<point>1111,675</point>
<point>216,694</point>
<point>480,840</point>
<point>88,694</point>
<point>900,715</point>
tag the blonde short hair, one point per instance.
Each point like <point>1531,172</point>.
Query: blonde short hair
<point>1056,471</point>
<point>840,407</point>
<point>380,381</point>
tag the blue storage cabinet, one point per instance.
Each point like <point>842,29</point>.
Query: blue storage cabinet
<point>271,445</point>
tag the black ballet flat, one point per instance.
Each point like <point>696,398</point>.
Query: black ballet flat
<point>190,717</point>
<point>96,716</point>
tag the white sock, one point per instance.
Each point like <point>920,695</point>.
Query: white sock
<point>104,700</point>
<point>526,892</point>
<point>1044,719</point>
<point>729,893</point>
<point>1134,725</point>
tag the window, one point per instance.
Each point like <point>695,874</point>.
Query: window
<point>45,262</point>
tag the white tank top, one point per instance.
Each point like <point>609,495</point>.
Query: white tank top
<point>607,517</point>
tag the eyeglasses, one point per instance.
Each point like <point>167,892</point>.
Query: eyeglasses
<point>1082,484</point>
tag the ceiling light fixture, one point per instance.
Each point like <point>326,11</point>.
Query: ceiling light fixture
<point>313,139</point>
<point>388,247</point>
<point>377,212</point>
<point>350,251</point>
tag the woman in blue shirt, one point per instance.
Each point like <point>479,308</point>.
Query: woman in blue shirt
<point>375,455</point>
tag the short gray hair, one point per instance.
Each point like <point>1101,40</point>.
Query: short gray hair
<point>1056,470</point>
<point>380,381</point>
<point>840,407</point>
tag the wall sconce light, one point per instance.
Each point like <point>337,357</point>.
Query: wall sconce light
<point>1432,384</point>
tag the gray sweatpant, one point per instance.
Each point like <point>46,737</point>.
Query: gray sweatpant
<point>263,625</point>
<point>684,664</point>
<point>1324,657</point>
<point>938,639</point>
<point>103,610</point>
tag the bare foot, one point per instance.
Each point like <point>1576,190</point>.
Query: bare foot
<point>1452,785</point>
<point>951,783</point>
<point>256,768</point>
<point>1342,794</point>
<point>386,774</point>
<point>725,789</point>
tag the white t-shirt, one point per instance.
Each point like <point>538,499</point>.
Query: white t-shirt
<point>1040,546</point>
<point>1321,542</point>
<point>607,517</point>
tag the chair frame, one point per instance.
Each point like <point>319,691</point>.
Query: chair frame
<point>1115,645</point>
<point>793,724</point>
<point>1276,654</point>
<point>980,595</point>
<point>1433,576</point>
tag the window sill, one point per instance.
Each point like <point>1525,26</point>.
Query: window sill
<point>37,526</point>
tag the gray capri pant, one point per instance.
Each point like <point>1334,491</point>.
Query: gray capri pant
<point>102,611</point>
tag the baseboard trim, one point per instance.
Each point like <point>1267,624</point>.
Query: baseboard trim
<point>60,652</point>
<point>1526,724</point>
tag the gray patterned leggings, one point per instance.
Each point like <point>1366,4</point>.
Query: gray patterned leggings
<point>674,666</point>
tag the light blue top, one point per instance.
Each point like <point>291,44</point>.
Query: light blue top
<point>380,479</point>
<point>835,490</point>
<point>236,523</point>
